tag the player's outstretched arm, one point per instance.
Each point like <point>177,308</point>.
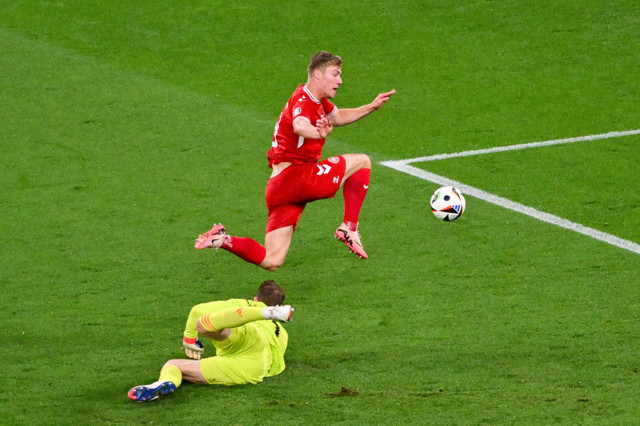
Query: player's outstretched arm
<point>218,325</point>
<point>349,115</point>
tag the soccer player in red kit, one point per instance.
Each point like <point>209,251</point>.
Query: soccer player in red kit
<point>298,176</point>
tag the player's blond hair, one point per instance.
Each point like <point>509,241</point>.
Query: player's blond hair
<point>270,293</point>
<point>323,59</point>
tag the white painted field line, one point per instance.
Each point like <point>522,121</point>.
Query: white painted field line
<point>522,146</point>
<point>404,167</point>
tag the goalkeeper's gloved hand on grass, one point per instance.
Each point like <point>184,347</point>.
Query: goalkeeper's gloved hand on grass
<point>193,347</point>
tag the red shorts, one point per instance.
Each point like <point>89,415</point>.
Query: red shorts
<point>288,193</point>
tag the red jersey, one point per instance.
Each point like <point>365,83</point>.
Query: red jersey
<point>286,144</point>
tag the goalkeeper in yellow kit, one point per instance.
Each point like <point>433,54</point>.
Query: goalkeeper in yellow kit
<point>250,344</point>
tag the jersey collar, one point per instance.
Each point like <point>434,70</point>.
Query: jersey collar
<point>308,92</point>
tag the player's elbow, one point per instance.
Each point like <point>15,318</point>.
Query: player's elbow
<point>201,328</point>
<point>197,311</point>
<point>302,127</point>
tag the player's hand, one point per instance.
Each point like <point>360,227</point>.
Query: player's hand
<point>381,99</point>
<point>193,350</point>
<point>324,127</point>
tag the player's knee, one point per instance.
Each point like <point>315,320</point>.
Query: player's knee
<point>365,161</point>
<point>271,263</point>
<point>172,362</point>
<point>359,162</point>
<point>271,266</point>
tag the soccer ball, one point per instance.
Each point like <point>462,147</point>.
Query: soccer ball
<point>447,203</point>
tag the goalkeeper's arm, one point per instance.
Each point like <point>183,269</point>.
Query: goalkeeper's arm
<point>217,325</point>
<point>192,346</point>
<point>191,328</point>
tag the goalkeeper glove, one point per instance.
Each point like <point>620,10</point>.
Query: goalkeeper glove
<point>193,350</point>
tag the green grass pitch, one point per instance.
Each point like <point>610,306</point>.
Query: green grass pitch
<point>127,128</point>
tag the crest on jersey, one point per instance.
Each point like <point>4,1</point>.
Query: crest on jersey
<point>297,111</point>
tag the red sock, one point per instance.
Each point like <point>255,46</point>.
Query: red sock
<point>246,249</point>
<point>354,192</point>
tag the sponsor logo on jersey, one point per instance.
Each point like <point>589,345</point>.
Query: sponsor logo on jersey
<point>334,160</point>
<point>297,111</point>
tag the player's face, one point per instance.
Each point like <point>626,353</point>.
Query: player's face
<point>330,80</point>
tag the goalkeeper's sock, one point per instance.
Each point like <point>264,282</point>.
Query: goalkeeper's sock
<point>230,318</point>
<point>171,373</point>
<point>245,248</point>
<point>354,193</point>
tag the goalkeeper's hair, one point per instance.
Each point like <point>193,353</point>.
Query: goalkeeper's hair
<point>321,60</point>
<point>270,293</point>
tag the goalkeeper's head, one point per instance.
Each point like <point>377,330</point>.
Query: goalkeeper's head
<point>270,293</point>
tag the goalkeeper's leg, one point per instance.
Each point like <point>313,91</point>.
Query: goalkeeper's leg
<point>189,371</point>
<point>170,379</point>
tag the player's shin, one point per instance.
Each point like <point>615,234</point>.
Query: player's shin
<point>354,192</point>
<point>245,248</point>
<point>171,373</point>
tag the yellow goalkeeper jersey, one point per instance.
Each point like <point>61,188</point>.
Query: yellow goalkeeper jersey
<point>254,350</point>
